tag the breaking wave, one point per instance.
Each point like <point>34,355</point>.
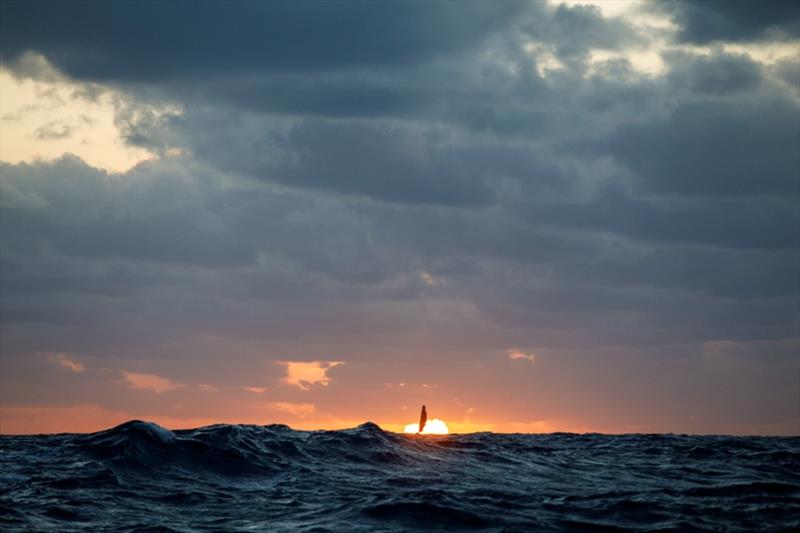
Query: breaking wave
<point>140,476</point>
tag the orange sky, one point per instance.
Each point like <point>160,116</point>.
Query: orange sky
<point>330,395</point>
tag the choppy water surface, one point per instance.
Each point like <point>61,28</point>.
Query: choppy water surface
<point>139,476</point>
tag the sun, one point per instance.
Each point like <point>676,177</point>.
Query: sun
<point>434,426</point>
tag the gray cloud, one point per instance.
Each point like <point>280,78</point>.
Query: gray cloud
<point>731,223</point>
<point>718,73</point>
<point>714,148</point>
<point>733,21</point>
<point>391,161</point>
<point>586,28</point>
<point>54,130</point>
<point>116,41</point>
<point>143,240</point>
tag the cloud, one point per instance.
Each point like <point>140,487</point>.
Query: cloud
<point>105,42</point>
<point>54,115</point>
<point>67,362</point>
<point>149,382</point>
<point>299,410</point>
<point>304,374</point>
<point>766,223</point>
<point>587,27</point>
<point>11,198</point>
<point>716,73</point>
<point>431,280</point>
<point>266,244</point>
<point>54,130</point>
<point>733,21</point>
<point>402,164</point>
<point>514,353</point>
<point>687,154</point>
<point>255,390</point>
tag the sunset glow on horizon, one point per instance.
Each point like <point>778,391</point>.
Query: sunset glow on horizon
<point>434,426</point>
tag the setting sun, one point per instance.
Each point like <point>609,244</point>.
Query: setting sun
<point>432,427</point>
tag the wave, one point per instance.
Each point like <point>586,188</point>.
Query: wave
<point>139,475</point>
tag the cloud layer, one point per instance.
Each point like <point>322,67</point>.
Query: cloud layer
<point>426,194</point>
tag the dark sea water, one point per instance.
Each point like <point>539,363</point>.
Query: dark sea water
<point>141,477</point>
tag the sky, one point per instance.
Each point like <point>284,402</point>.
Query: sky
<point>529,216</point>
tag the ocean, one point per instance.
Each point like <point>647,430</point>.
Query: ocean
<point>141,477</point>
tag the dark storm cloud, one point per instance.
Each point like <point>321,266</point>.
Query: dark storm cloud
<point>387,162</point>
<point>83,217</point>
<point>108,41</point>
<point>335,98</point>
<point>714,148</point>
<point>342,59</point>
<point>733,20</point>
<point>737,275</point>
<point>67,208</point>
<point>85,243</point>
<point>418,152</point>
<point>594,315</point>
<point>733,223</point>
<point>715,74</point>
